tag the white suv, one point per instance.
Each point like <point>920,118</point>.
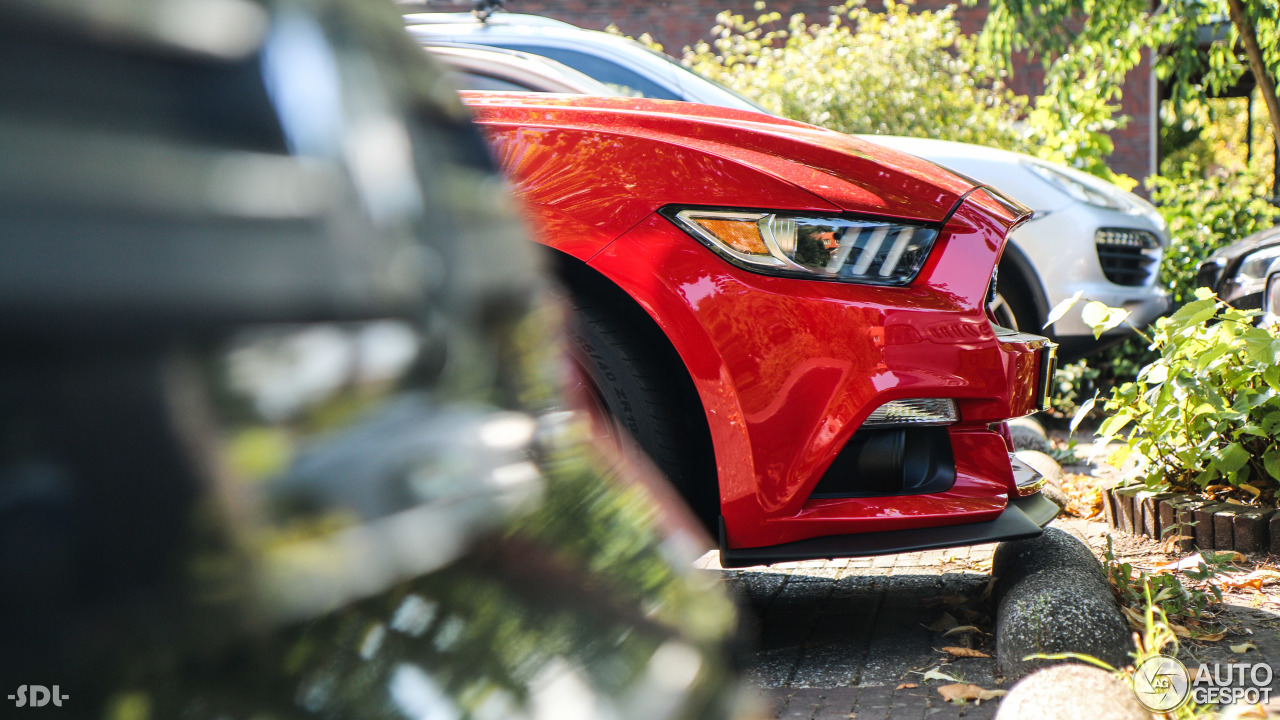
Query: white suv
<point>1087,235</point>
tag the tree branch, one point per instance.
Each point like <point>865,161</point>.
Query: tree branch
<point>1265,82</point>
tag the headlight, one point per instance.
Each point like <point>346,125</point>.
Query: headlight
<point>1094,190</point>
<point>849,250</point>
<point>1251,278</point>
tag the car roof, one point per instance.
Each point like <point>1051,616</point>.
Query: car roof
<point>503,18</point>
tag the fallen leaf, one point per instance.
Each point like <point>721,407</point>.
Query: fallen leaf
<point>936,674</point>
<point>1217,488</point>
<point>965,652</point>
<point>942,624</point>
<point>1243,648</point>
<point>1190,562</point>
<point>1208,637</point>
<point>1180,631</point>
<point>965,691</point>
<point>989,590</point>
<point>962,629</point>
<point>1251,490</point>
<point>1255,580</point>
<point>907,686</point>
<point>1135,618</point>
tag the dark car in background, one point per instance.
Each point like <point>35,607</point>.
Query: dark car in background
<point>281,431</point>
<point>1238,272</point>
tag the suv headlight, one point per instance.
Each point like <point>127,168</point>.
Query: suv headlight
<point>1094,191</point>
<point>871,252</point>
<point>1251,276</point>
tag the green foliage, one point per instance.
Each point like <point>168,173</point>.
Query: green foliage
<point>1207,410</point>
<point>1073,383</point>
<point>1137,589</point>
<point>892,73</point>
<point>1088,47</point>
<point>1205,213</point>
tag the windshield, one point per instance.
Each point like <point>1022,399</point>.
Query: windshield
<point>697,88</point>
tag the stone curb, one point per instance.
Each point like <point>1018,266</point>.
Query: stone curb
<point>1051,597</point>
<point>1071,692</point>
<point>1207,525</point>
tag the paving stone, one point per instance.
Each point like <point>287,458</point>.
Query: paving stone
<point>1275,534</point>
<point>802,705</point>
<point>1179,510</point>
<point>1110,510</point>
<point>884,561</point>
<point>1205,534</point>
<point>1224,528</point>
<point>1125,510</point>
<point>1251,534</point>
<point>838,703</point>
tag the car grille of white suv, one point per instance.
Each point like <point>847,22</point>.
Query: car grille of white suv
<point>1128,257</point>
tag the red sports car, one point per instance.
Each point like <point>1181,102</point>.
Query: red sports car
<point>790,321</point>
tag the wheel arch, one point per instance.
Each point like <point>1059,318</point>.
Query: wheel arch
<point>1016,267</point>
<point>581,280</point>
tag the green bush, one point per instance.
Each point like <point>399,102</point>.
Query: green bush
<point>890,73</point>
<point>1207,411</point>
<point>1204,214</point>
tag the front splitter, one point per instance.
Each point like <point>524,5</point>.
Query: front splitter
<point>1022,518</point>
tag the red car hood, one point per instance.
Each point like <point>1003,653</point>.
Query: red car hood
<point>852,174</point>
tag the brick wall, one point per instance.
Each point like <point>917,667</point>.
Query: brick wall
<point>676,24</point>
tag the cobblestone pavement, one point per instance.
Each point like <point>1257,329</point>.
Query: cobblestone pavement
<point>848,638</point>
<point>839,639</point>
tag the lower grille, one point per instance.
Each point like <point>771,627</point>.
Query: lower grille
<point>1126,255</point>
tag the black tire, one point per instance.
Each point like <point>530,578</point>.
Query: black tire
<point>1013,307</point>
<point>642,397</point>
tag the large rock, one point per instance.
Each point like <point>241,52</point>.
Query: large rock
<point>1053,598</point>
<point>1071,692</point>
<point>1029,434</point>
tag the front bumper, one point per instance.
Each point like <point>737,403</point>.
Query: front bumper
<point>788,370</point>
<point>1022,518</point>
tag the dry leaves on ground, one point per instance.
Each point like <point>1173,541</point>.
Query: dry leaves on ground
<point>1255,580</point>
<point>956,692</point>
<point>907,686</point>
<point>1084,495</point>
<point>964,652</point>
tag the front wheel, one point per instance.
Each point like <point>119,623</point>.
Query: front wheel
<point>630,390</point>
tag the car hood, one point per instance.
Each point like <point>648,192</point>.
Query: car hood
<point>849,173</point>
<point>1256,241</point>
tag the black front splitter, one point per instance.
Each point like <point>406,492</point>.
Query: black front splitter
<point>1022,518</point>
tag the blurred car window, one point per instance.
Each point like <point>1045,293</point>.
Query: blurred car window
<point>606,71</point>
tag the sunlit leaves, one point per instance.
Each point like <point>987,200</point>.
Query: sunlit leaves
<point>1207,410</point>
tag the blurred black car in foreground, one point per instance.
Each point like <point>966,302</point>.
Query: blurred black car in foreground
<point>1238,272</point>
<point>281,432</point>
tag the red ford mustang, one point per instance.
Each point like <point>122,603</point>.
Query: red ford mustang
<point>790,321</point>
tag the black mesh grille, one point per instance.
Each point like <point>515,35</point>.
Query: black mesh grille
<point>1124,255</point>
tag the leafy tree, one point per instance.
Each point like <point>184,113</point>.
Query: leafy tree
<point>892,73</point>
<point>1088,46</point>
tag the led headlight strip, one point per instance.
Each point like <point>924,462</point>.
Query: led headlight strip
<point>852,250</point>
